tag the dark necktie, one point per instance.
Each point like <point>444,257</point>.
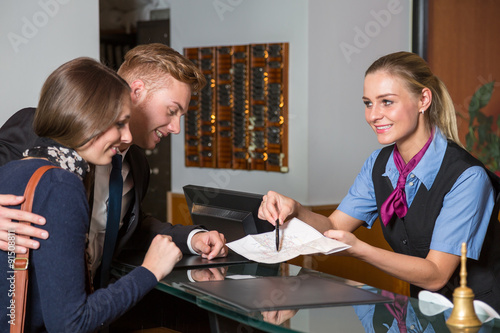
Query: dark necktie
<point>113,221</point>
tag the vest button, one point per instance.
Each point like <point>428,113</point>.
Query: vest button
<point>405,242</point>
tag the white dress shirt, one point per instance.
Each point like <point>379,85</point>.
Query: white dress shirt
<point>97,231</point>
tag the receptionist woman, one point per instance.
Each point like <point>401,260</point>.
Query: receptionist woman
<point>428,192</point>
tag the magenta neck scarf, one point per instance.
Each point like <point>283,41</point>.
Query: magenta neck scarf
<point>396,202</point>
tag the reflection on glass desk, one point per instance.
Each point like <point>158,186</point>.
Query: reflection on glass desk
<point>415,315</point>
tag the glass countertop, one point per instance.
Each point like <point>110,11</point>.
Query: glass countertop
<point>416,315</point>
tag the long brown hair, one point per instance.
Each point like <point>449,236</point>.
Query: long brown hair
<point>416,74</point>
<point>79,101</point>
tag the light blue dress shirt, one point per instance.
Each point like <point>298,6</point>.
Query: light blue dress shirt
<point>466,208</point>
<point>365,314</point>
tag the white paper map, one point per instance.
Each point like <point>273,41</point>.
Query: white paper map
<point>296,237</point>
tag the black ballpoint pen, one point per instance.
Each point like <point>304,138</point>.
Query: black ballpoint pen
<point>277,230</point>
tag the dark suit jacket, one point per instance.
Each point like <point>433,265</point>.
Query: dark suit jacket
<point>139,228</point>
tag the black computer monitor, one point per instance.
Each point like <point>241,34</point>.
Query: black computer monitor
<point>230,212</point>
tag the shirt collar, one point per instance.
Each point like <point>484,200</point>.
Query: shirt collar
<point>124,152</point>
<point>428,167</point>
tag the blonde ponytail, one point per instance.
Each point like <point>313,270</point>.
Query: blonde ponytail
<point>442,113</point>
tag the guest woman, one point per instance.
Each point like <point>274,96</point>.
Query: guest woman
<point>81,119</point>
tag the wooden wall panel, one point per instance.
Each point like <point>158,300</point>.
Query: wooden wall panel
<point>177,209</point>
<point>463,51</point>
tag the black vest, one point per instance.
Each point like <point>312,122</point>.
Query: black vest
<point>412,234</point>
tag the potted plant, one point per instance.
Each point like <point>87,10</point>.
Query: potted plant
<point>483,138</point>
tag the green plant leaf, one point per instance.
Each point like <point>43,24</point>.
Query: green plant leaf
<point>481,117</point>
<point>489,122</point>
<point>481,139</point>
<point>469,140</point>
<point>482,133</point>
<point>480,99</point>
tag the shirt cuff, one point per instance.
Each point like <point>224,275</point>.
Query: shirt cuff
<point>191,234</point>
<point>190,277</point>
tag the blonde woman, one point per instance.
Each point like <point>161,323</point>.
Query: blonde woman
<point>428,192</point>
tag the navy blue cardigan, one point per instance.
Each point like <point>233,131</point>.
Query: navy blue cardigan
<point>57,300</point>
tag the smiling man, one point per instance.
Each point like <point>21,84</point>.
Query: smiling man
<point>159,100</point>
<point>161,82</point>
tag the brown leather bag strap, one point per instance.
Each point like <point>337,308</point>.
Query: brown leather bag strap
<point>20,265</point>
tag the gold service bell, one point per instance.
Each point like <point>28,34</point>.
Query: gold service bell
<point>463,317</point>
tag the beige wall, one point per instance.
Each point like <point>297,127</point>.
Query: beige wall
<point>35,38</point>
<point>331,45</point>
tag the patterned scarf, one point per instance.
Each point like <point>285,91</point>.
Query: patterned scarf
<point>59,155</point>
<point>396,202</point>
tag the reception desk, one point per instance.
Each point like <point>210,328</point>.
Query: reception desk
<point>417,316</point>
